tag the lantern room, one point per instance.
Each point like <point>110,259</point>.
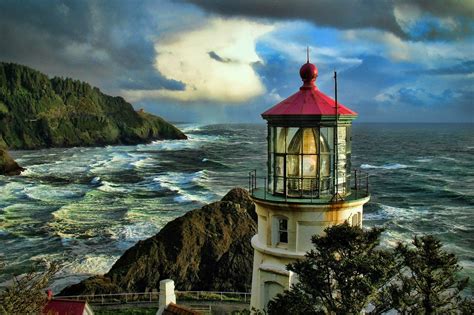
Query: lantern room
<point>309,143</point>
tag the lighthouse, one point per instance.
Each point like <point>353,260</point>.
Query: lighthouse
<point>309,183</point>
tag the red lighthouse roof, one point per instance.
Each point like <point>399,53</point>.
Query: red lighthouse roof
<point>308,101</point>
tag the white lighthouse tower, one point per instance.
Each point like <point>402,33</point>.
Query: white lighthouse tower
<point>309,185</point>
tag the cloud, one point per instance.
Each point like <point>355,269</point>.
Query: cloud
<point>466,67</point>
<point>215,63</point>
<point>319,54</point>
<point>395,17</point>
<point>426,54</point>
<point>420,104</point>
<point>324,13</point>
<point>108,44</point>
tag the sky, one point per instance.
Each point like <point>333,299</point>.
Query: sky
<point>228,61</point>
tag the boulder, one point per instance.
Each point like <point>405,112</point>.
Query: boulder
<point>7,165</point>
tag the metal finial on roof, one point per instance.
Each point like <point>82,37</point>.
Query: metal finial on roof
<point>307,54</point>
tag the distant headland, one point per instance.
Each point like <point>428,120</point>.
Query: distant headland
<point>39,112</point>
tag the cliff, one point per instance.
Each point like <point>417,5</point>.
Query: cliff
<point>36,112</point>
<point>205,249</point>
<point>7,165</point>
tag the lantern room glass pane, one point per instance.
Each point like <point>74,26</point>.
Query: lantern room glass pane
<point>279,185</point>
<point>293,145</point>
<point>341,158</point>
<point>348,156</point>
<point>309,141</point>
<point>293,186</point>
<point>327,133</point>
<point>279,165</point>
<point>326,159</point>
<point>280,144</point>
<point>270,139</point>
<point>293,165</point>
<point>310,164</point>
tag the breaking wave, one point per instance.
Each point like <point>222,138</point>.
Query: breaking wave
<point>391,166</point>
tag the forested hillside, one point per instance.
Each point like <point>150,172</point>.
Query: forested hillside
<point>36,111</point>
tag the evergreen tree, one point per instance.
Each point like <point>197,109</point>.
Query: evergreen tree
<point>428,284</point>
<point>342,275</point>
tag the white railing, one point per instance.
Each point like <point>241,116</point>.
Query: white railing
<point>153,297</point>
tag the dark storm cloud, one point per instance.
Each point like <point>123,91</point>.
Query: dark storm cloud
<point>445,8</point>
<point>103,41</point>
<point>351,14</point>
<point>334,13</point>
<point>216,57</point>
<point>466,67</point>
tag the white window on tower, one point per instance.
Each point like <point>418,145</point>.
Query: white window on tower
<point>356,219</point>
<point>282,231</point>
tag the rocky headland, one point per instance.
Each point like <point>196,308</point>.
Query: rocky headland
<point>39,112</point>
<point>7,165</point>
<point>205,249</point>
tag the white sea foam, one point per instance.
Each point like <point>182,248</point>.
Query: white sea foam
<point>147,161</point>
<point>423,160</point>
<point>448,158</point>
<point>53,193</point>
<point>95,180</point>
<point>111,187</point>
<point>127,236</point>
<point>176,181</point>
<point>189,198</point>
<point>386,212</point>
<point>119,160</point>
<point>390,166</point>
<point>193,142</point>
<point>190,128</point>
<point>63,169</point>
<point>13,190</point>
<point>93,264</point>
<point>186,185</point>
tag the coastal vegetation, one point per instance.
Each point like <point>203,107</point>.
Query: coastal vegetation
<point>26,294</point>
<point>348,273</point>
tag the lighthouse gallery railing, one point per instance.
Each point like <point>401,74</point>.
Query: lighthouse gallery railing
<point>356,185</point>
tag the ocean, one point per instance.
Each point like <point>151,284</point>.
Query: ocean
<point>84,207</point>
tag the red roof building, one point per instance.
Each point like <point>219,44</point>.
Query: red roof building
<point>174,309</point>
<point>67,307</point>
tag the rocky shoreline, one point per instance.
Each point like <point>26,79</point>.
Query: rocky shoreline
<point>205,249</point>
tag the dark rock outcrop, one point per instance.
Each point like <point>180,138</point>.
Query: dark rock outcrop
<point>205,249</point>
<point>7,165</point>
<point>38,112</point>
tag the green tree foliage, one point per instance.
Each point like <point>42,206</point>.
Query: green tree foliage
<point>428,283</point>
<point>26,294</point>
<point>348,273</point>
<point>343,274</point>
